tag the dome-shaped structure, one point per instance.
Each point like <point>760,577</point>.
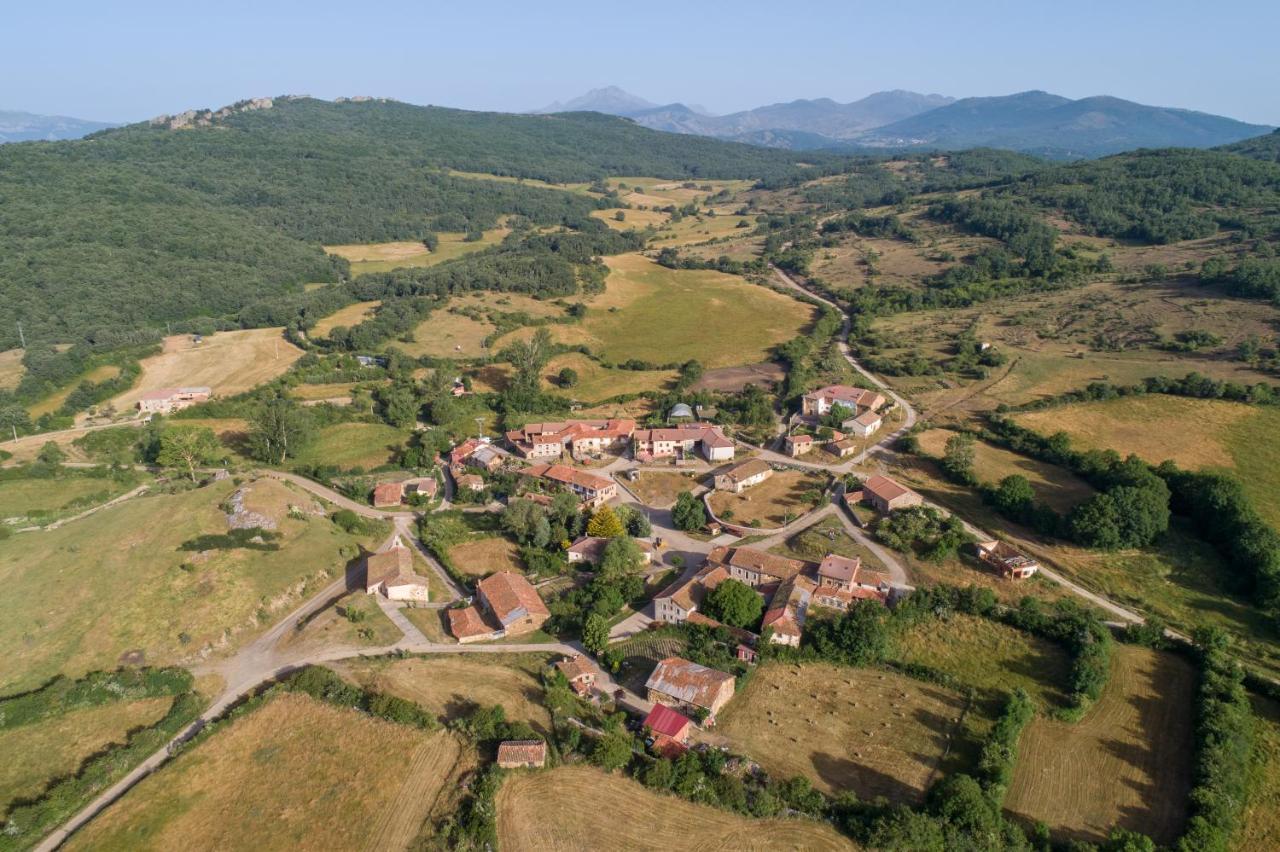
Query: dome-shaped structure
<point>680,410</point>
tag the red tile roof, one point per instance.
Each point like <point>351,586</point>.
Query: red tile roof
<point>839,567</point>
<point>516,752</point>
<point>884,488</point>
<point>388,493</point>
<point>575,667</point>
<point>467,623</point>
<point>758,561</point>
<point>507,592</point>
<point>667,722</point>
<point>570,476</point>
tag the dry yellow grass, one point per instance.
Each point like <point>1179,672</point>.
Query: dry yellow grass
<point>54,401</point>
<point>1052,485</point>
<point>637,219</point>
<point>229,362</point>
<point>486,555</point>
<point>446,684</point>
<point>36,754</point>
<point>332,390</point>
<point>294,774</point>
<point>660,488</point>
<point>353,314</point>
<point>596,382</point>
<point>11,369</point>
<point>579,808</point>
<point>660,315</point>
<point>778,500</point>
<point>383,257</point>
<point>873,732</point>
<point>447,335</point>
<point>121,586</point>
<point>1127,763</point>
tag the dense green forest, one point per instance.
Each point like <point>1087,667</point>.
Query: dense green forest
<point>134,227</point>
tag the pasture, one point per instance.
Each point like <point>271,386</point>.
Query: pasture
<point>1195,433</point>
<point>993,658</point>
<point>777,501</point>
<point>352,314</point>
<point>1104,331</point>
<point>1053,485</point>
<point>384,257</point>
<point>448,684</point>
<point>125,586</point>
<point>827,536</point>
<point>578,808</point>
<point>873,732</point>
<point>445,334</point>
<point>484,556</point>
<point>293,774</point>
<point>44,500</point>
<point>229,362</point>
<point>1260,823</point>
<point>349,445</point>
<point>1127,763</point>
<point>664,316</point>
<point>53,748</point>
<point>596,382</point>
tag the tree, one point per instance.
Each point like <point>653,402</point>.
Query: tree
<point>957,459</point>
<point>1014,496</point>
<point>51,453</point>
<point>278,430</point>
<point>567,378</point>
<point>605,524</point>
<point>399,403</point>
<point>621,556</point>
<point>735,603</point>
<point>527,521</point>
<point>14,419</point>
<point>860,637</point>
<point>188,447</point>
<point>612,751</point>
<point>595,633</point>
<point>688,513</point>
<point>638,525</point>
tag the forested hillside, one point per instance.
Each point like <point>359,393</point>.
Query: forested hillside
<point>143,225</point>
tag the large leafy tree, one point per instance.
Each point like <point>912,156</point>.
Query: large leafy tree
<point>688,513</point>
<point>735,603</point>
<point>187,448</point>
<point>278,430</point>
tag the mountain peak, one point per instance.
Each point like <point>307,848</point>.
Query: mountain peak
<point>612,100</point>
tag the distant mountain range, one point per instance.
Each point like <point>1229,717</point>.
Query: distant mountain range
<point>26,126</point>
<point>1034,122</point>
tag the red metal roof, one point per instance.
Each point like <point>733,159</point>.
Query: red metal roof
<point>662,720</point>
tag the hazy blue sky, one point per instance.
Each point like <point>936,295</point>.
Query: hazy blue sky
<point>126,61</point>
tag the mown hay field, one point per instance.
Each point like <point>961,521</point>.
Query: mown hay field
<point>293,774</point>
<point>1052,485</point>
<point>123,585</point>
<point>1127,763</point>
<point>580,808</point>
<point>38,753</point>
<point>352,314</point>
<point>778,500</point>
<point>448,684</point>
<point>1195,433</point>
<point>54,401</point>
<point>229,362</point>
<point>870,731</point>
<point>445,334</point>
<point>663,316</point>
<point>383,257</point>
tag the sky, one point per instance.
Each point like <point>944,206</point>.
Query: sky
<point>127,61</point>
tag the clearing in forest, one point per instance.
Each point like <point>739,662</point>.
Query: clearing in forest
<point>293,774</point>
<point>352,314</point>
<point>578,808</point>
<point>229,362</point>
<point>11,368</point>
<point>384,257</point>
<point>1127,763</point>
<point>348,445</point>
<point>870,731</point>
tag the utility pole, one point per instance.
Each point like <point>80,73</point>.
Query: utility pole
<point>22,337</point>
<point>479,427</point>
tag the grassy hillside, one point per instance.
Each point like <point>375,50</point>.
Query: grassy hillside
<point>147,224</point>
